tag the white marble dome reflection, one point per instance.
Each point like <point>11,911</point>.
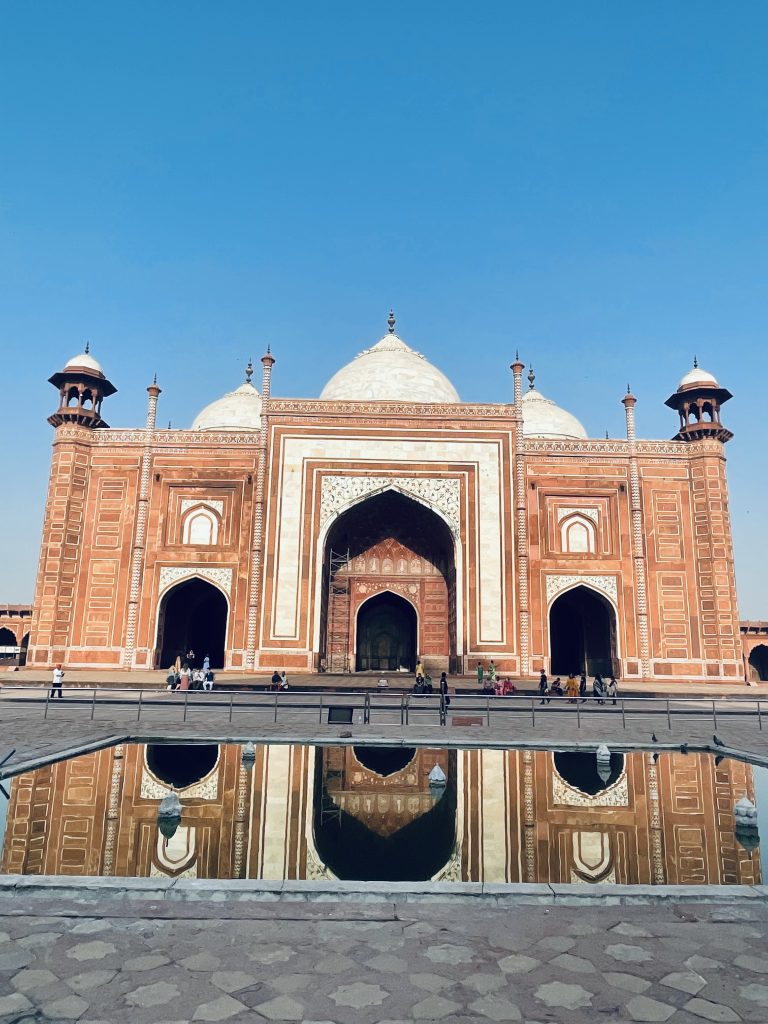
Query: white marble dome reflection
<point>390,371</point>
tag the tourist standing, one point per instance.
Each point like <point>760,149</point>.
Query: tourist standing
<point>597,689</point>
<point>419,674</point>
<point>444,688</point>
<point>191,656</point>
<point>206,664</point>
<point>583,687</point>
<point>543,684</point>
<point>491,672</point>
<point>572,688</point>
<point>283,680</point>
<point>185,676</point>
<point>56,681</point>
<point>480,673</point>
<point>613,689</point>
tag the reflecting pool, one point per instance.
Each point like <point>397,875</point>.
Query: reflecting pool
<point>386,813</point>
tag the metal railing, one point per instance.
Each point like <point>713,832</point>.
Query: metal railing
<point>365,707</point>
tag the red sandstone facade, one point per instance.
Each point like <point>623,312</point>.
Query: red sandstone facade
<point>487,541</point>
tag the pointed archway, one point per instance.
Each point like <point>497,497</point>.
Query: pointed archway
<point>582,634</point>
<point>386,634</point>
<point>758,663</point>
<point>192,616</point>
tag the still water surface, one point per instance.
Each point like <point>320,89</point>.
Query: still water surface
<point>394,814</point>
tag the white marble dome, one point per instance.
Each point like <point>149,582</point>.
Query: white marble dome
<point>84,361</point>
<point>543,418</point>
<point>237,410</point>
<point>391,371</point>
<point>697,376</point>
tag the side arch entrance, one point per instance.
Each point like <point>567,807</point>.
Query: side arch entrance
<point>192,616</point>
<point>758,663</point>
<point>386,634</point>
<point>582,634</point>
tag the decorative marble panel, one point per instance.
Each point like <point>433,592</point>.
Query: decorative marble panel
<point>171,574</point>
<point>215,503</point>
<point>443,494</point>
<point>557,584</point>
<point>616,795</point>
<point>590,513</point>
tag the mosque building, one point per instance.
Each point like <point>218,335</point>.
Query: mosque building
<point>385,521</point>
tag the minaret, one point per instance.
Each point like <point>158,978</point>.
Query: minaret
<point>82,387</point>
<point>521,516</point>
<point>257,548</point>
<point>697,401</point>
<point>638,547</point>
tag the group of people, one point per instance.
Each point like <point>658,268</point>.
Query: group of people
<point>575,690</point>
<point>181,675</point>
<point>279,680</point>
<point>423,683</point>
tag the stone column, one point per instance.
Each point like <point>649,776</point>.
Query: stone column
<point>257,548</point>
<point>638,545</point>
<point>521,516</point>
<point>140,530</point>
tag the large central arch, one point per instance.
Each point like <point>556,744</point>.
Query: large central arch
<point>386,634</point>
<point>388,543</point>
<point>582,633</point>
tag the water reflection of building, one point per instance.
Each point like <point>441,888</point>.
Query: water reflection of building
<point>505,816</point>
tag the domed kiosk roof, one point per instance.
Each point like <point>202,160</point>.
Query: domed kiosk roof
<point>237,410</point>
<point>390,371</point>
<point>697,377</point>
<point>84,361</point>
<point>543,418</point>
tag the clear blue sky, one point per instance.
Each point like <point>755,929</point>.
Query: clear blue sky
<point>182,183</point>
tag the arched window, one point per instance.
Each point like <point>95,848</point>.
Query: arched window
<point>577,535</point>
<point>201,527</point>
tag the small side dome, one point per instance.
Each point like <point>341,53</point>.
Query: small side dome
<point>390,371</point>
<point>543,418</point>
<point>697,377</point>
<point>237,410</point>
<point>85,361</point>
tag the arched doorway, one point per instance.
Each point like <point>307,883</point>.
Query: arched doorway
<point>385,546</point>
<point>193,616</point>
<point>758,663</point>
<point>386,634</point>
<point>8,644</point>
<point>582,634</point>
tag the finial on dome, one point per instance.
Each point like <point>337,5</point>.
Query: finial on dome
<point>606,435</point>
<point>531,379</point>
<point>629,390</point>
<point>154,379</point>
<point>517,355</point>
<point>169,424</point>
<point>87,347</point>
<point>249,371</point>
<point>391,322</point>
<point>695,363</point>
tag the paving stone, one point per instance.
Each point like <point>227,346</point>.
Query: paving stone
<point>87,980</point>
<point>570,997</point>
<point>38,939</point>
<point>153,995</point>
<point>232,981</point>
<point>145,963</point>
<point>497,1008</point>
<point>642,1008</point>
<point>449,954</point>
<point>518,963</point>
<point>95,950</point>
<point>29,979</point>
<point>434,1008</point>
<point>557,943</point>
<point>271,955</point>
<point>628,982</point>
<point>15,960</point>
<point>387,963</point>
<point>221,1009</point>
<point>752,963</point>
<point>484,983</point>
<point>711,1011</point>
<point>68,1008</point>
<point>201,962</point>
<point>577,964</point>
<point>624,928</point>
<point>684,981</point>
<point>702,963</point>
<point>334,965</point>
<point>14,1003</point>
<point>91,927</point>
<point>628,954</point>
<point>431,982</point>
<point>291,982</point>
<point>358,995</point>
<point>755,993</point>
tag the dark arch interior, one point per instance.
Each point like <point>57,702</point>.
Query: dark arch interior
<point>582,634</point>
<point>415,853</point>
<point>386,634</point>
<point>758,659</point>
<point>193,615</point>
<point>580,770</point>
<point>181,764</point>
<point>385,760</point>
<point>7,638</point>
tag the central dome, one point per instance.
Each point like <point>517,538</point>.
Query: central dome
<point>543,418</point>
<point>391,371</point>
<point>237,410</point>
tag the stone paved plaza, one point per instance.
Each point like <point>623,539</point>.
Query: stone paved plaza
<point>135,961</point>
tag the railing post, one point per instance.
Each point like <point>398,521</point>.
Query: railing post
<point>402,709</point>
<point>47,702</point>
<point>759,719</point>
<point>138,714</point>
<point>275,705</point>
<point>488,712</point>
<point>623,718</point>
<point>367,709</point>
<point>231,698</point>
<point>714,714</point>
<point>578,716</point>
<point>407,707</point>
<point>186,698</point>
<point>93,703</point>
<point>669,717</point>
<point>320,719</point>
<point>533,712</point>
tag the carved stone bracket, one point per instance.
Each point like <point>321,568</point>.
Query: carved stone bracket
<point>557,584</point>
<point>171,574</point>
<point>440,493</point>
